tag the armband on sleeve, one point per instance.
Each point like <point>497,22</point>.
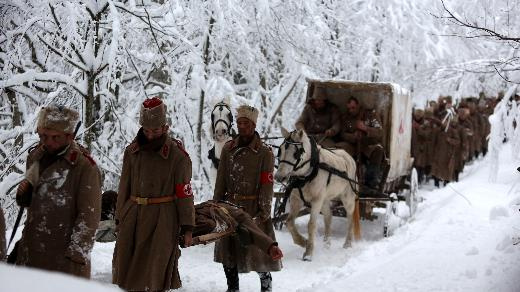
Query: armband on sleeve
<point>266,177</point>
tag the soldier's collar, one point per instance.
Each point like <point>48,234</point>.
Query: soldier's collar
<point>254,145</point>
<point>70,153</point>
<point>164,151</point>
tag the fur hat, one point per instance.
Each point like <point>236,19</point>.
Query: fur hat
<point>418,113</point>
<point>248,112</point>
<point>153,113</point>
<point>58,118</point>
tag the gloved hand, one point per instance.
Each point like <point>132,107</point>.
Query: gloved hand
<point>24,193</point>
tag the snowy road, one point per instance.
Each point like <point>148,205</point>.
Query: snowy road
<point>453,244</point>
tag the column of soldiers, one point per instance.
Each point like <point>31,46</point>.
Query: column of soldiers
<point>446,137</point>
<point>154,209</point>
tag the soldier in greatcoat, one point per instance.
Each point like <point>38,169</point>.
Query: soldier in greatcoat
<point>421,137</point>
<point>320,119</point>
<point>245,177</point>
<point>62,193</point>
<point>361,136</point>
<point>447,146</point>
<point>466,133</point>
<point>154,206</point>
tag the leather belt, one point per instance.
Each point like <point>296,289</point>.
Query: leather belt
<point>238,197</point>
<point>151,201</point>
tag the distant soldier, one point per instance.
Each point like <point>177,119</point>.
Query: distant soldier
<point>320,119</point>
<point>154,206</point>
<point>421,138</point>
<point>466,134</point>
<point>245,177</point>
<point>447,146</point>
<point>434,124</point>
<point>478,128</point>
<point>361,136</point>
<point>62,192</point>
<point>485,111</point>
<point>3,251</point>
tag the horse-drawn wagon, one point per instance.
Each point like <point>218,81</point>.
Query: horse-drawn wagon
<point>399,179</point>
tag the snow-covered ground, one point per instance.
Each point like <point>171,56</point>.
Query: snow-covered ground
<point>463,238</point>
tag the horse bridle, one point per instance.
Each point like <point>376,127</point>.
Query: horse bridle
<point>221,106</point>
<point>297,155</point>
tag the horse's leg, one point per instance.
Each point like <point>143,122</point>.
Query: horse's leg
<point>349,203</point>
<point>311,227</point>
<point>327,219</point>
<point>295,205</point>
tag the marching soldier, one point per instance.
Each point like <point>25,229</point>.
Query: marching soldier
<point>447,146</point>
<point>154,206</point>
<point>421,137</point>
<point>320,119</point>
<point>245,177</point>
<point>361,137</point>
<point>62,193</point>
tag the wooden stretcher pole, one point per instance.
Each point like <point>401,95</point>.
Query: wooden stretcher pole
<point>356,221</point>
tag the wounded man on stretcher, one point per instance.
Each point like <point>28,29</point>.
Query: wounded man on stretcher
<point>213,220</point>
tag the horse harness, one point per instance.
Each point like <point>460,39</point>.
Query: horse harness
<point>315,164</point>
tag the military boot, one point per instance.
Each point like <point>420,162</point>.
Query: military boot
<point>232,278</point>
<point>266,282</point>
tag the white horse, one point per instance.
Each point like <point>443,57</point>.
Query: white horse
<point>329,174</point>
<point>222,131</point>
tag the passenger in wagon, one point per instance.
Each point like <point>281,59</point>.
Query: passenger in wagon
<point>361,136</point>
<point>320,119</point>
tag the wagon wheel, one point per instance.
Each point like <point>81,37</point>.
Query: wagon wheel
<point>411,198</point>
<point>279,211</point>
<point>391,217</point>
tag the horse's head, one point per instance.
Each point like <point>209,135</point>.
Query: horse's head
<point>293,154</point>
<point>221,121</point>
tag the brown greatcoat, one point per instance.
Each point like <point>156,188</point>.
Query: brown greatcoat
<point>354,140</point>
<point>478,130</point>
<point>421,138</point>
<point>466,134</point>
<point>316,122</point>
<point>2,236</point>
<point>244,177</point>
<point>64,212</point>
<point>447,146</point>
<point>147,252</point>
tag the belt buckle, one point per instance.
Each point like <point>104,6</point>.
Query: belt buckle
<point>141,201</point>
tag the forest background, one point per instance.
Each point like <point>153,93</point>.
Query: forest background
<point>108,56</point>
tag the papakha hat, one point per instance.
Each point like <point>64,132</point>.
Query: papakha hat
<point>153,113</point>
<point>248,112</point>
<point>58,118</point>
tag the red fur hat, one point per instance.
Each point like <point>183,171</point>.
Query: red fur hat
<point>153,113</point>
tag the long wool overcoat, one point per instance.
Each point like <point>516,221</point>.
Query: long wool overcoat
<point>147,248</point>
<point>64,212</point>
<point>447,147</point>
<point>245,177</point>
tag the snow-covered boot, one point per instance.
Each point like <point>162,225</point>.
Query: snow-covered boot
<point>232,278</point>
<point>266,282</point>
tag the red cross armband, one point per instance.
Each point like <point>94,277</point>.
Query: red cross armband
<point>183,191</point>
<point>266,177</point>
